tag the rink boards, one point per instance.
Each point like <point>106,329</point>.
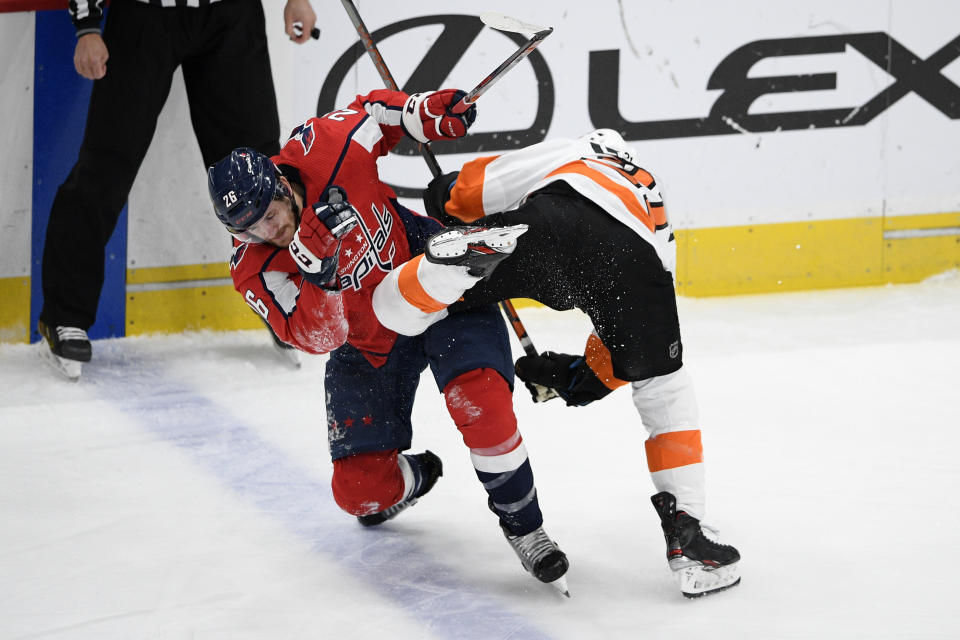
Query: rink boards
<point>810,147</point>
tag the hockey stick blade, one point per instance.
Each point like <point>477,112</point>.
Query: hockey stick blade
<point>525,50</point>
<point>502,22</point>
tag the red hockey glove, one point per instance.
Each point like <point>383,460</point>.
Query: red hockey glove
<point>428,116</point>
<point>316,244</point>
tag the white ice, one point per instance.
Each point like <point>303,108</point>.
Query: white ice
<point>181,490</point>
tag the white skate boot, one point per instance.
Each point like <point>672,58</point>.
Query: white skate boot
<point>480,249</point>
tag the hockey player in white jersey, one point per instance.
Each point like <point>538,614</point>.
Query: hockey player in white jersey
<point>599,239</point>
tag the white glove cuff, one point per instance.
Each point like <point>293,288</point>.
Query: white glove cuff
<point>410,119</point>
<point>304,258</point>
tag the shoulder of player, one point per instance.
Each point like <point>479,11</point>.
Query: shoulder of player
<point>251,259</point>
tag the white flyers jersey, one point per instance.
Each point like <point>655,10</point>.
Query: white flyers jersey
<point>600,166</point>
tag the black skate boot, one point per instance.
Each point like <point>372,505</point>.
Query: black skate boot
<point>540,556</point>
<point>480,249</point>
<point>702,565</point>
<point>430,468</point>
<point>69,349</point>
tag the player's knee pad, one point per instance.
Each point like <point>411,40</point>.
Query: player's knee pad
<point>481,405</point>
<point>369,482</point>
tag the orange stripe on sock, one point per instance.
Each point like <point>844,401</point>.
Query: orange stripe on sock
<point>466,197</point>
<point>625,195</point>
<point>413,292</point>
<point>598,358</point>
<point>674,449</point>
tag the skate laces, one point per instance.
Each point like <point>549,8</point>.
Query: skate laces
<point>710,533</point>
<point>71,333</point>
<point>532,546</point>
<point>391,512</point>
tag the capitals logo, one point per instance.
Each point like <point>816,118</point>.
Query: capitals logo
<point>304,133</point>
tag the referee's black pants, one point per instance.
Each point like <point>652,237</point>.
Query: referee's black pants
<point>222,50</point>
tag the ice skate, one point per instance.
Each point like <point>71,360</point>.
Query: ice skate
<point>480,249</point>
<point>69,348</point>
<point>701,565</point>
<point>431,468</point>
<point>541,557</point>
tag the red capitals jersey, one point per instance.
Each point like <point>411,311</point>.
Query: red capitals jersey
<point>341,149</point>
<point>301,314</point>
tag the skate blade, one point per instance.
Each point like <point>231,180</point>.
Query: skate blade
<point>560,584</point>
<point>65,368</point>
<point>696,581</point>
<point>290,357</point>
<point>453,243</point>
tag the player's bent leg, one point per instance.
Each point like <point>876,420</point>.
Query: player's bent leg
<point>416,294</point>
<point>668,408</point>
<point>377,486</point>
<point>480,403</point>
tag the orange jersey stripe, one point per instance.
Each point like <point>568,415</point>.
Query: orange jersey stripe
<point>598,359</point>
<point>659,213</point>
<point>413,292</point>
<point>674,449</point>
<point>639,176</point>
<point>643,178</point>
<point>628,198</point>
<point>466,197</point>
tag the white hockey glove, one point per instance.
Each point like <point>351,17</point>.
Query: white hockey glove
<point>428,116</point>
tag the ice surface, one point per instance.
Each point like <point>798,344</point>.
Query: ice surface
<point>180,489</point>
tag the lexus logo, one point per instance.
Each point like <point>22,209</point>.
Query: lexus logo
<point>729,113</point>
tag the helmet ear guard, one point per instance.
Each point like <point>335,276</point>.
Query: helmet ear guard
<point>242,186</point>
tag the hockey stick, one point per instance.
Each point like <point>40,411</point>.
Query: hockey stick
<point>385,75</point>
<point>499,22</point>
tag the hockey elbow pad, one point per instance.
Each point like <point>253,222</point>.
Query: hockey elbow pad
<point>568,375</point>
<point>436,196</point>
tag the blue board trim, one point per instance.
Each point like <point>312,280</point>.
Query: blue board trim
<point>60,101</point>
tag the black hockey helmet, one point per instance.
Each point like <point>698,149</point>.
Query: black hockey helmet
<point>242,186</point>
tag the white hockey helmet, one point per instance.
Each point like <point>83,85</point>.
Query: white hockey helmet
<point>611,140</point>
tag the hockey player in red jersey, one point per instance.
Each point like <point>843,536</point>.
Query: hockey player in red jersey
<point>599,239</point>
<point>316,232</point>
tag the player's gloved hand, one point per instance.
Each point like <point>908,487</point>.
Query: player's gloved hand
<point>316,244</point>
<point>436,195</point>
<point>568,375</point>
<point>429,116</point>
